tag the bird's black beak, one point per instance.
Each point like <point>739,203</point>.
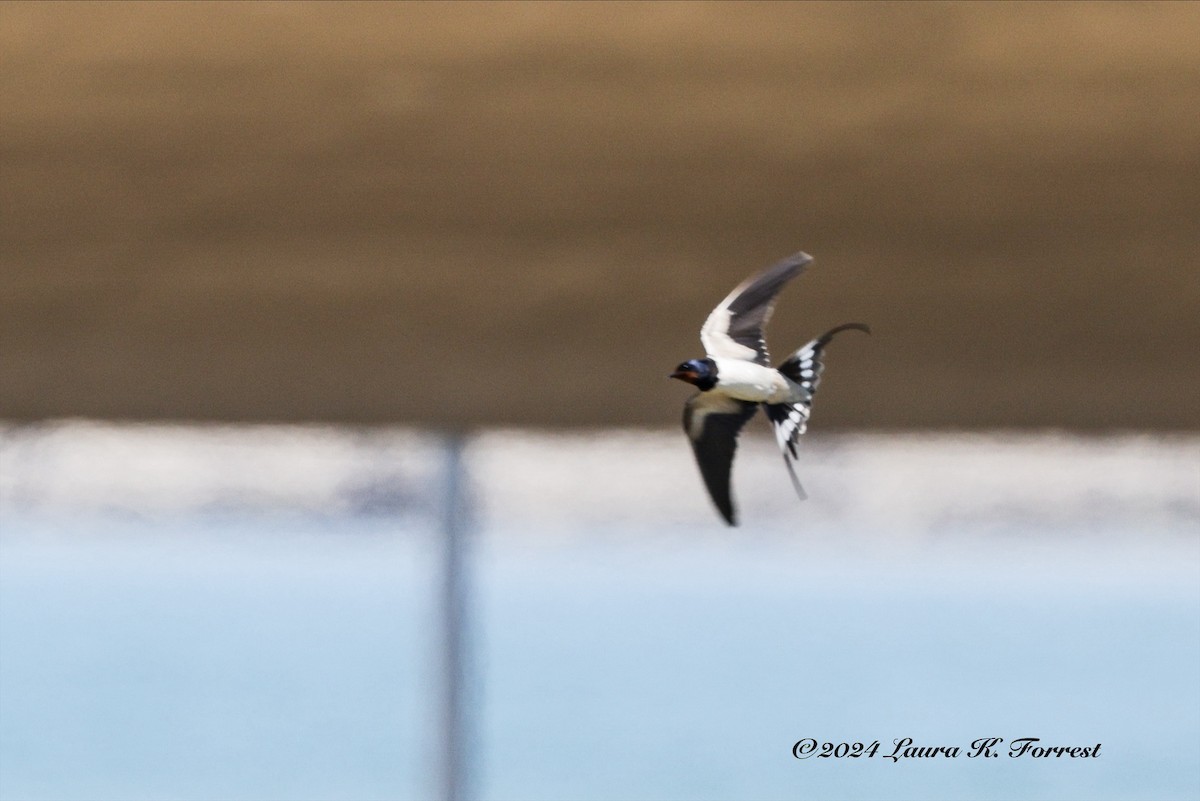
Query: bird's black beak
<point>689,376</point>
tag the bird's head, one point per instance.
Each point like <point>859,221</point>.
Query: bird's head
<point>701,372</point>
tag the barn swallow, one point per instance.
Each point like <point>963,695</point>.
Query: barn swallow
<point>735,377</point>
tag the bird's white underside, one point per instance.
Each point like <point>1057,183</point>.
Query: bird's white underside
<point>752,382</point>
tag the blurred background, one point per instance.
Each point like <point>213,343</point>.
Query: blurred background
<point>254,257</point>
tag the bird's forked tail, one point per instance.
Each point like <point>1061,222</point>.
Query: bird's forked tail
<point>790,420</point>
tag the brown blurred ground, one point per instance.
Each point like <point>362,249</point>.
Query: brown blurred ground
<point>522,214</point>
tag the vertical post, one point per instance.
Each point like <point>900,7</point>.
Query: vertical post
<point>455,522</point>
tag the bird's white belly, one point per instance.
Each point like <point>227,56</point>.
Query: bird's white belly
<point>750,382</point>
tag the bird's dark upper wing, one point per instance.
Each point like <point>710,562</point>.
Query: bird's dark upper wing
<point>734,330</point>
<point>712,423</point>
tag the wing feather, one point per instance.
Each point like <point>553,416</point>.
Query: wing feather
<point>712,423</point>
<point>734,329</point>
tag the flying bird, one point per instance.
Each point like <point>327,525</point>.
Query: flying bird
<point>735,377</point>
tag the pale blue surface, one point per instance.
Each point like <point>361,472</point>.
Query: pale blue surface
<point>265,658</point>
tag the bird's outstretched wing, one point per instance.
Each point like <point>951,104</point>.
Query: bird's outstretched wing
<point>734,330</point>
<point>790,420</point>
<point>712,423</point>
